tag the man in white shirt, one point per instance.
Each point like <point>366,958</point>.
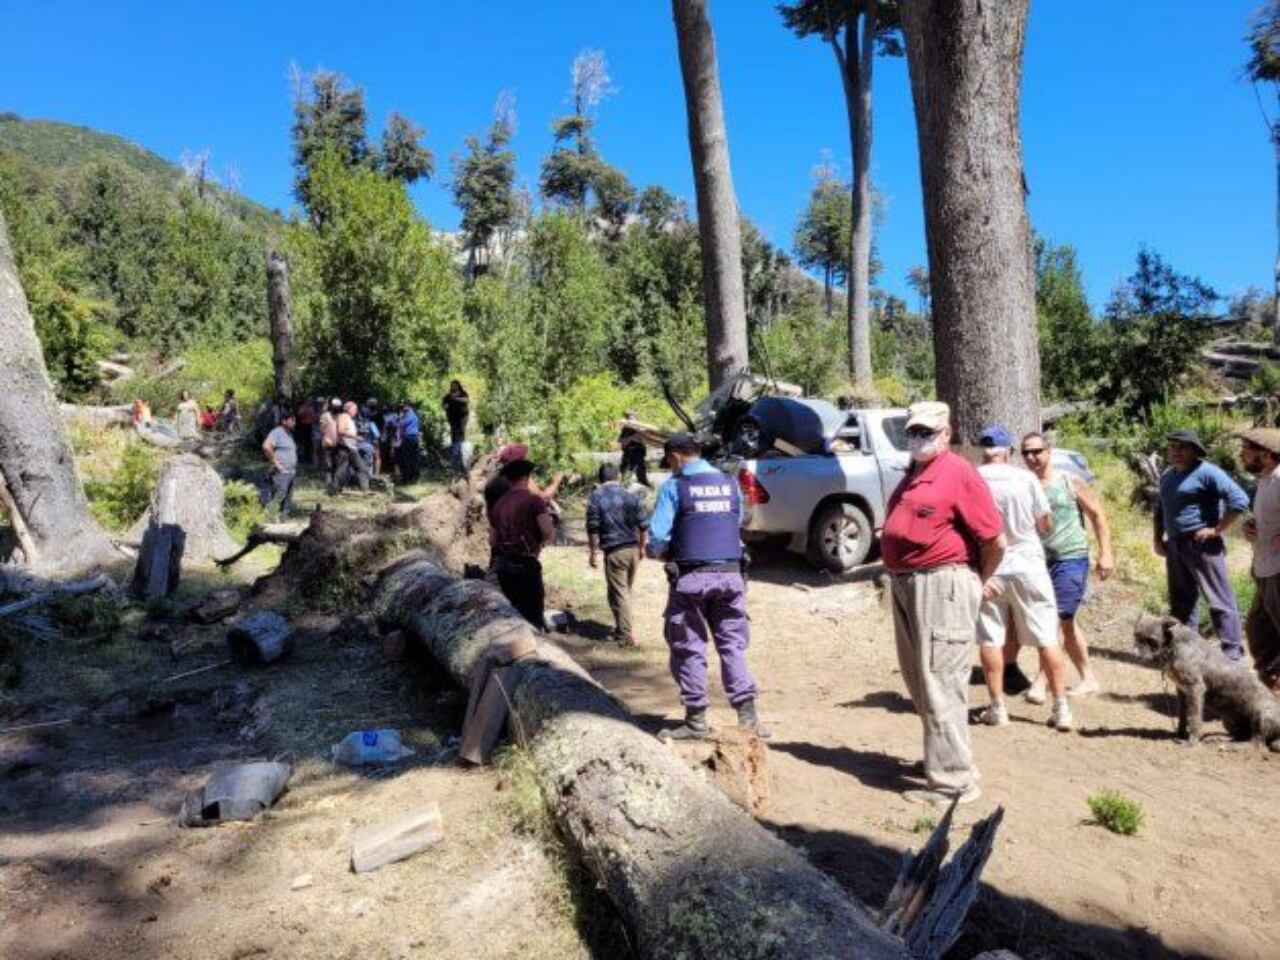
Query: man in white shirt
<point>1260,456</point>
<point>1020,593</point>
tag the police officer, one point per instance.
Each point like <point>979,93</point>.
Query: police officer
<point>695,528</point>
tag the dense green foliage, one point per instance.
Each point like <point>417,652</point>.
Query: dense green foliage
<point>484,185</point>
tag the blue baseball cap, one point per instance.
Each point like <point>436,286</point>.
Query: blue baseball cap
<point>995,435</point>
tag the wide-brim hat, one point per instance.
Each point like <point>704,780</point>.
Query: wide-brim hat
<point>1189,437</point>
<point>1268,438</point>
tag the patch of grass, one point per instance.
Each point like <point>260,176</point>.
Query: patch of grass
<point>925,823</point>
<point>1116,812</point>
<point>121,491</point>
<point>241,508</point>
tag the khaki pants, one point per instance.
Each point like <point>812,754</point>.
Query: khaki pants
<point>620,573</point>
<point>1262,627</point>
<point>935,613</point>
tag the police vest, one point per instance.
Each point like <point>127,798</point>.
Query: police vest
<point>706,521</point>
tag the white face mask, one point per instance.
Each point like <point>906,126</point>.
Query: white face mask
<point>924,449</point>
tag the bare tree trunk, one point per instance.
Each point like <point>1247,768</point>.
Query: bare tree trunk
<point>965,60</point>
<point>281,322</point>
<point>858,102</point>
<point>718,227</point>
<point>1275,298</point>
<point>36,462</point>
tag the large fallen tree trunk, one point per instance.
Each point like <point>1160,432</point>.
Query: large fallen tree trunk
<point>691,874</point>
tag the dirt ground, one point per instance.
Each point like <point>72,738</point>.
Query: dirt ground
<point>94,865</point>
<point>1199,879</point>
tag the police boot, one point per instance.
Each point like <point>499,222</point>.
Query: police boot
<point>748,719</point>
<point>694,727</point>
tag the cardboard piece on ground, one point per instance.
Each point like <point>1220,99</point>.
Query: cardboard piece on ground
<point>378,844</point>
<point>486,714</point>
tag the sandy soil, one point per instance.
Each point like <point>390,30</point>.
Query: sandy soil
<point>1200,878</point>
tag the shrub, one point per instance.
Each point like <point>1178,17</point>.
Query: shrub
<point>583,417</point>
<point>241,508</point>
<point>1116,812</point>
<point>120,499</point>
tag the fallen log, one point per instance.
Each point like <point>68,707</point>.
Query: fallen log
<point>91,585</point>
<point>115,416</point>
<point>691,874</point>
<point>281,534</point>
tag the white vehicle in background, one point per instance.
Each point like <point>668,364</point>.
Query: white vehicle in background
<point>821,476</point>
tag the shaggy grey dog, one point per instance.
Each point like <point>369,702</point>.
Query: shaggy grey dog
<point>1203,675</point>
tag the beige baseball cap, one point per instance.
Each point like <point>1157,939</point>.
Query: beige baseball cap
<point>933,414</point>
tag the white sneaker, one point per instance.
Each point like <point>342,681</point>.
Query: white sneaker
<point>1060,718</point>
<point>1036,693</point>
<point>1085,688</point>
<point>996,715</point>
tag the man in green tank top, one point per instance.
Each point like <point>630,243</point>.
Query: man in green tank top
<point>1066,549</point>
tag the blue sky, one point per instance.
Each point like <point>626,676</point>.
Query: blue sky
<point>1137,127</point>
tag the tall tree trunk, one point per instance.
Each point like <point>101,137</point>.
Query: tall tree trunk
<point>857,73</point>
<point>1275,297</point>
<point>281,322</point>
<point>965,60</point>
<point>718,227</point>
<point>36,462</point>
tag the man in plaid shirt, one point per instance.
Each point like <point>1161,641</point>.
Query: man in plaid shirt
<point>616,526</point>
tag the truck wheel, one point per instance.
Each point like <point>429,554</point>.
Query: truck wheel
<point>839,537</point>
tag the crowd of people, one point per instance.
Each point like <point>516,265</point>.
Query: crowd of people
<point>995,556</point>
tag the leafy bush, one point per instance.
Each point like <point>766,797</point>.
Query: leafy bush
<point>241,508</point>
<point>584,417</point>
<point>120,499</point>
<point>1116,812</point>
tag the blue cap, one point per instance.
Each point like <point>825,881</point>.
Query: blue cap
<point>995,435</point>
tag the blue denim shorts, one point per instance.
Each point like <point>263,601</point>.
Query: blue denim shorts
<point>1070,578</point>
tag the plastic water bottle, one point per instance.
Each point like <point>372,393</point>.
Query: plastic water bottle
<point>362,747</point>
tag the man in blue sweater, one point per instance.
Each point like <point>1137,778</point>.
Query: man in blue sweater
<point>1198,504</point>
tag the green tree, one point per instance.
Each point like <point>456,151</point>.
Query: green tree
<point>821,236</point>
<point>328,118</point>
<point>804,346</point>
<point>1072,344</point>
<point>403,157</point>
<point>855,30</point>
<point>1157,322</point>
<point>387,314</point>
<point>483,185</point>
<point>496,312</point>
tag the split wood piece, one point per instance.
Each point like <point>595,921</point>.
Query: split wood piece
<point>486,714</point>
<point>159,565</point>
<point>216,607</point>
<point>261,637</point>
<point>690,873</point>
<point>377,845</point>
<point>281,534</point>
<point>736,762</point>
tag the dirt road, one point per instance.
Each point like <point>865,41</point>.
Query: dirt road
<point>1200,878</point>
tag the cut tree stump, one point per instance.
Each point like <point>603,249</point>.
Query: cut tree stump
<point>690,873</point>
<point>159,566</point>
<point>377,845</point>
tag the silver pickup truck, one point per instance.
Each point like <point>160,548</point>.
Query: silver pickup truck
<point>820,477</point>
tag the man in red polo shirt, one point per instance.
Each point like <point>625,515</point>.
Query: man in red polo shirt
<point>942,542</point>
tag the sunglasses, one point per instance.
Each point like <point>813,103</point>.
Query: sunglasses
<point>923,432</point>
<point>1033,451</point>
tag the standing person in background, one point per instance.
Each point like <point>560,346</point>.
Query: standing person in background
<point>305,420</point>
<point>229,415</point>
<point>1066,550</point>
<point>349,441</point>
<point>942,543</point>
<point>330,449</point>
<point>616,526</point>
<point>390,439</point>
<point>1190,520</point>
<point>188,417</point>
<point>282,457</point>
<point>409,456</point>
<point>457,407</point>
<point>369,437</point>
<point>1023,595</point>
<point>695,528</point>
<point>1260,455</point>
<point>519,526</point>
<point>633,450</point>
